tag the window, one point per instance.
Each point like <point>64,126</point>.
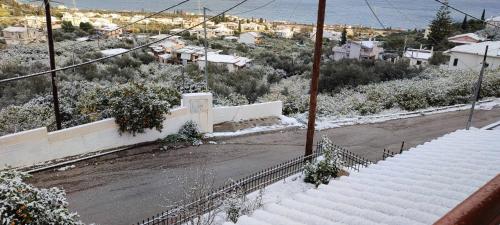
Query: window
<point>455,62</point>
<point>419,62</point>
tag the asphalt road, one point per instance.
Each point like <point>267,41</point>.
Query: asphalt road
<point>126,187</point>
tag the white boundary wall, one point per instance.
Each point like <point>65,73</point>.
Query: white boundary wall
<point>37,146</point>
<point>246,112</point>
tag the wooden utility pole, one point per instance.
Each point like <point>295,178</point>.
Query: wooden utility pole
<point>315,77</point>
<point>205,43</point>
<point>50,40</point>
<point>477,89</point>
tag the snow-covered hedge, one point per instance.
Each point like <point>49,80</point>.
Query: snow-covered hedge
<point>135,106</point>
<point>432,88</point>
<point>21,203</point>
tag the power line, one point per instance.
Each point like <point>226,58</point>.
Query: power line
<point>467,14</point>
<point>112,56</point>
<point>134,22</point>
<point>374,14</point>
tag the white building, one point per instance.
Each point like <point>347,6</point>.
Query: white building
<point>113,51</point>
<point>468,38</point>
<point>21,35</point>
<point>470,57</point>
<point>492,22</point>
<point>222,31</point>
<point>39,22</point>
<point>328,34</point>
<point>418,57</point>
<point>75,18</point>
<point>250,38</point>
<point>245,27</point>
<point>111,30</point>
<point>284,33</point>
<point>358,50</point>
<point>231,62</point>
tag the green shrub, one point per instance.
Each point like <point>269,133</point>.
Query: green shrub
<point>411,98</point>
<point>188,133</point>
<point>137,107</point>
<point>321,171</point>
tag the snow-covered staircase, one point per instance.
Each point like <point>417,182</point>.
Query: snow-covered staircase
<point>416,187</point>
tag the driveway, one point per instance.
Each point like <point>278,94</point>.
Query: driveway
<point>126,187</point>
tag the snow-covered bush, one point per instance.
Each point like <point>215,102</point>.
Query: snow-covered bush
<point>21,203</point>
<point>432,88</point>
<point>137,107</point>
<point>293,92</point>
<point>236,204</point>
<point>188,133</point>
<point>36,113</point>
<point>322,170</point>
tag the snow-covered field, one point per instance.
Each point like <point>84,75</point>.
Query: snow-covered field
<point>416,187</point>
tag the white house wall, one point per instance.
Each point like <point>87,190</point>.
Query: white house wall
<point>472,62</point>
<point>37,146</point>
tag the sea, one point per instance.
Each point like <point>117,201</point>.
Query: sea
<point>405,14</point>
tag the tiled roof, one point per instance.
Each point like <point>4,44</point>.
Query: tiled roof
<point>416,187</point>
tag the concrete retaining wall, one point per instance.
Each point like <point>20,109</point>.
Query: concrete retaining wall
<point>37,146</point>
<point>246,112</point>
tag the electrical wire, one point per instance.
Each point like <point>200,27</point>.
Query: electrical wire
<point>375,14</point>
<point>112,56</point>
<point>134,22</point>
<point>467,14</point>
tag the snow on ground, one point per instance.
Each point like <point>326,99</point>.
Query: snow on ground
<point>323,123</point>
<point>275,193</point>
<point>286,122</point>
<point>416,187</point>
<point>64,168</point>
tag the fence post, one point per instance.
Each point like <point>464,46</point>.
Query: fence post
<point>402,146</point>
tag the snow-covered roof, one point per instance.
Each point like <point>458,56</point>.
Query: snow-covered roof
<point>418,54</point>
<point>165,56</point>
<point>479,48</point>
<point>230,59</point>
<point>254,34</point>
<point>15,29</point>
<point>230,38</point>
<point>473,36</point>
<point>159,36</point>
<point>113,51</point>
<point>416,187</point>
<point>496,19</point>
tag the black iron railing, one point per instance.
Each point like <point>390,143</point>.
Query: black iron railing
<point>213,200</point>
<point>388,154</point>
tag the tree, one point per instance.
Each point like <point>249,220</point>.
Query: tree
<point>87,27</point>
<point>343,38</point>
<point>239,26</point>
<point>483,15</point>
<point>67,26</point>
<point>441,26</point>
<point>438,58</point>
<point>464,24</point>
<point>261,20</point>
